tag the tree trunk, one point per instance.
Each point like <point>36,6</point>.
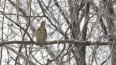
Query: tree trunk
<point>79,50</point>
<point>108,6</point>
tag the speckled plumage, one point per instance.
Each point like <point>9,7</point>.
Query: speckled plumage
<point>41,33</point>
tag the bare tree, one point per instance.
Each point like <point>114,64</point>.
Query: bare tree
<point>79,32</point>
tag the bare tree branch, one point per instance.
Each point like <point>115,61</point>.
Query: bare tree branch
<point>21,55</point>
<point>60,41</point>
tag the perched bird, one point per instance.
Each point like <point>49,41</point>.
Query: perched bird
<point>41,33</point>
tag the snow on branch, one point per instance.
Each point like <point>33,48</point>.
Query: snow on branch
<point>58,42</point>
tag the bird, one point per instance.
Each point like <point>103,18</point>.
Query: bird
<point>41,33</point>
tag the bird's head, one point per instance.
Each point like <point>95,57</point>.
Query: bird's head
<point>43,23</point>
<point>42,26</point>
